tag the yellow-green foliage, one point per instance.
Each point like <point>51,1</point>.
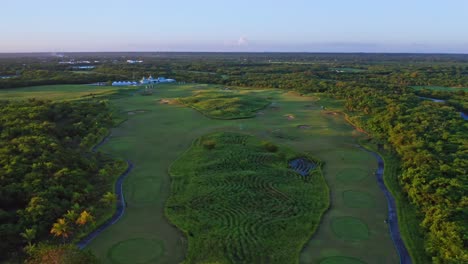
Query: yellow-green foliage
<point>225,104</point>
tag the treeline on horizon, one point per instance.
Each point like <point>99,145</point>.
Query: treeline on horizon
<point>429,139</point>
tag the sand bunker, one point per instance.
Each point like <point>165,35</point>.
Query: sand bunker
<point>330,113</point>
<point>136,112</point>
<point>289,116</point>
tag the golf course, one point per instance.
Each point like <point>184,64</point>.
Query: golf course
<point>270,177</point>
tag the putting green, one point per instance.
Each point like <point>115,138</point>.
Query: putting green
<point>341,260</point>
<point>351,175</point>
<point>349,228</point>
<point>138,250</point>
<point>358,199</point>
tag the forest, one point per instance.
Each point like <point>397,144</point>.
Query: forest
<point>429,139</point>
<point>53,187</point>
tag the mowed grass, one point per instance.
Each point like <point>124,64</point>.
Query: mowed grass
<point>225,104</point>
<point>57,92</point>
<point>237,201</point>
<point>440,88</point>
<point>155,138</point>
<point>409,221</point>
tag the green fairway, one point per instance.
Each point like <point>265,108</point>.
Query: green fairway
<point>136,251</point>
<point>57,92</point>
<point>225,104</point>
<point>237,200</point>
<point>349,228</point>
<point>351,175</point>
<point>156,134</point>
<point>340,260</point>
<point>440,88</point>
<point>358,199</point>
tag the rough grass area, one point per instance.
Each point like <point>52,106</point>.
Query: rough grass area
<point>238,201</point>
<point>225,104</point>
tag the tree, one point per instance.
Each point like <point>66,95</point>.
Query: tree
<point>29,235</point>
<point>84,218</point>
<point>109,198</point>
<point>61,229</point>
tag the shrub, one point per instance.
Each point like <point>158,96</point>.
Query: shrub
<point>209,144</point>
<point>270,147</point>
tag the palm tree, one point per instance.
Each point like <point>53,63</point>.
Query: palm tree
<point>84,218</point>
<point>109,198</point>
<point>60,229</point>
<point>29,234</point>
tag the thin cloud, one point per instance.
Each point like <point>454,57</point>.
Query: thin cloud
<point>242,41</point>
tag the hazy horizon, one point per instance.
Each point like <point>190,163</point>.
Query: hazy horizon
<point>362,26</point>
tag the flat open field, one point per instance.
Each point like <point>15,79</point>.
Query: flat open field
<point>56,92</point>
<point>159,130</point>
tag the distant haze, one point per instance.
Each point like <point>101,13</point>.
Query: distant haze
<point>426,26</point>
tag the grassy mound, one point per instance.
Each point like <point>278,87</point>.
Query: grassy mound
<point>238,201</point>
<point>225,104</point>
<point>350,228</point>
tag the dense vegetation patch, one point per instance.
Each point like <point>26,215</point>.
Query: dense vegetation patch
<point>238,201</point>
<point>225,104</point>
<point>51,184</point>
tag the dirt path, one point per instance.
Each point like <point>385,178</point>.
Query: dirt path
<point>392,220</point>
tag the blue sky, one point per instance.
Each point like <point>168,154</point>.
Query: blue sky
<point>234,25</point>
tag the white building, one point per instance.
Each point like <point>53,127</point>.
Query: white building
<point>151,80</point>
<point>134,61</point>
<point>124,83</point>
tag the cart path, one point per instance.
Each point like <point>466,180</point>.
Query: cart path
<point>392,212</point>
<point>120,202</point>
